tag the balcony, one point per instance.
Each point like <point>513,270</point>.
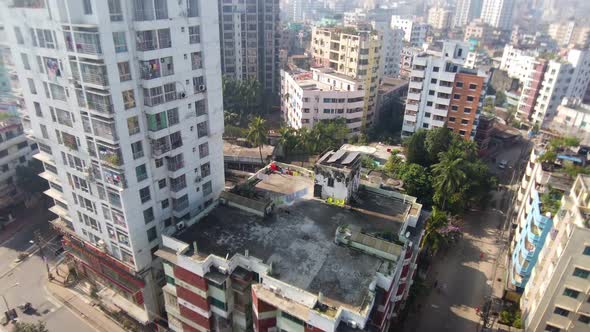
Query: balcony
<point>95,74</point>
<point>160,146</point>
<point>412,107</point>
<point>415,85</point>
<point>115,178</point>
<point>175,166</point>
<point>414,96</point>
<point>105,130</point>
<point>95,100</point>
<point>83,42</point>
<point>110,156</point>
<point>417,73</point>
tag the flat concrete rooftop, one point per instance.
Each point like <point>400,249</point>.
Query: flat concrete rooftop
<point>298,238</point>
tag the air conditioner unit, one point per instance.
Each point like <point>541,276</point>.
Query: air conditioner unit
<point>180,225</point>
<point>202,87</point>
<point>222,269</point>
<point>181,95</point>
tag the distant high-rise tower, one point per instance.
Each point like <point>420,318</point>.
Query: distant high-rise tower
<point>250,40</point>
<point>466,11</point>
<point>498,13</point>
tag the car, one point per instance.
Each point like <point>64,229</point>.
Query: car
<point>502,164</point>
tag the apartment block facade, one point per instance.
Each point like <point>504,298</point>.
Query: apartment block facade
<point>414,31</point>
<point>498,13</point>
<point>15,150</point>
<point>442,91</point>
<point>570,33</point>
<point>518,62</point>
<point>440,18</point>
<point>534,221</point>
<point>309,97</point>
<point>125,104</point>
<point>550,81</point>
<point>466,11</point>
<point>392,43</point>
<point>353,53</point>
<point>557,297</point>
<point>249,30</point>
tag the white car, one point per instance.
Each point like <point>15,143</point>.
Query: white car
<point>502,164</point>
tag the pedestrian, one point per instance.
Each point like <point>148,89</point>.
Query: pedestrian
<point>435,283</point>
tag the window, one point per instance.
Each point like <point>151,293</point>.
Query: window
<point>459,84</point>
<point>331,182</point>
<point>433,80</point>
<point>581,273</point>
<point>137,149</point>
<point>124,71</point>
<point>144,194</point>
<point>203,150</point>
<point>431,93</point>
<point>456,96</point>
<point>562,312</point>
<point>205,170</point>
<point>115,10</point>
<point>427,115</point>
<point>19,36</point>
<point>87,5</point>
<point>162,183</point>
<point>584,319</point>
<point>435,69</point>
<point>472,86</point>
<point>464,121</point>
<point>173,116</point>
<point>470,98</point>
<point>152,234</point>
<point>141,173</point>
<point>133,125</point>
<point>159,162</point>
<point>192,8</point>
<point>428,103</point>
<point>207,188</point>
<point>202,129</point>
<point>451,119</point>
<point>25,59</point>
<point>587,251</point>
<point>462,132</point>
<point>128,99</point>
<point>32,87</point>
<point>196,60</point>
<point>153,39</point>
<point>194,34</point>
<point>466,110</point>
<point>165,204</point>
<point>120,41</point>
<point>148,215</point>
<point>571,293</point>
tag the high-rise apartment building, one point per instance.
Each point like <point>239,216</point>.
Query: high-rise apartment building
<point>498,13</point>
<point>443,92</point>
<point>319,267</point>
<point>125,104</point>
<point>544,182</point>
<point>517,62</point>
<point>309,97</point>
<point>570,33</point>
<point>414,31</point>
<point>352,53</point>
<point>392,43</point>
<point>249,30</point>
<point>440,17</point>
<point>557,297</point>
<point>572,119</point>
<point>466,11</point>
<point>549,82</point>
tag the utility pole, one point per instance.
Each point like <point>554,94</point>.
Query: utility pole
<point>37,241</point>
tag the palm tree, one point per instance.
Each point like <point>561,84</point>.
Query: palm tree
<point>449,175</point>
<point>433,237</point>
<point>287,139</point>
<point>257,134</point>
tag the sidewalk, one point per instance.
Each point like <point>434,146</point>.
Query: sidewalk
<point>82,306</point>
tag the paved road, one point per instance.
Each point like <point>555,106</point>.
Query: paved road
<point>472,270</point>
<point>31,277</point>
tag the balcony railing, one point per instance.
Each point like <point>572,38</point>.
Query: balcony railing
<point>180,206</point>
<point>83,42</point>
<point>175,166</point>
<point>112,157</point>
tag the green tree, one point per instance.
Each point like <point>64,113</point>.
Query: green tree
<point>449,177</point>
<point>416,152</point>
<point>417,182</point>
<point>500,98</point>
<point>287,139</point>
<point>30,327</point>
<point>434,238</point>
<point>437,140</point>
<point>257,134</point>
<point>241,99</point>
<point>27,178</point>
